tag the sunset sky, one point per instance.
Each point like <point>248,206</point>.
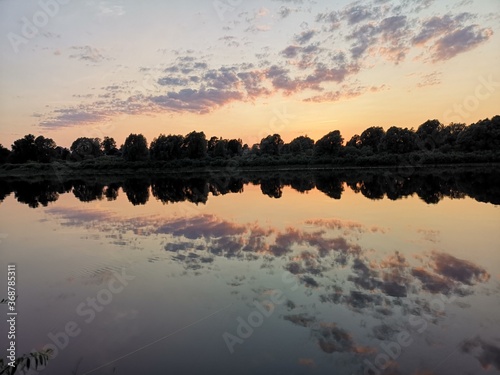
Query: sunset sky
<point>243,68</point>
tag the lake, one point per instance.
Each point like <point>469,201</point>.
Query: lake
<point>318,272</point>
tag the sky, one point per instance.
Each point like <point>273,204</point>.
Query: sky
<point>243,68</point>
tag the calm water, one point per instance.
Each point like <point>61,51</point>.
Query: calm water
<point>274,274</point>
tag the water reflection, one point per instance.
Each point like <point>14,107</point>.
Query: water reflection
<point>353,284</point>
<point>394,294</point>
<point>430,186</point>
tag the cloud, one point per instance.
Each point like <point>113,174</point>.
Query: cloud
<point>331,19</point>
<point>88,53</point>
<point>329,336</point>
<point>459,41</point>
<point>320,62</point>
<point>345,93</point>
<point>488,354</point>
<point>449,35</point>
<point>284,12</point>
<point>459,270</point>
<point>80,217</point>
<point>73,116</point>
<point>346,226</point>
<point>102,110</point>
<point>430,79</point>
<point>358,13</point>
<point>197,101</point>
<point>305,36</point>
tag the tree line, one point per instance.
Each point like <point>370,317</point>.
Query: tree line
<point>432,135</point>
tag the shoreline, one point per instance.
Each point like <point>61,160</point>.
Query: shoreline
<point>73,170</point>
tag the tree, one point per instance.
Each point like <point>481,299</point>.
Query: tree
<point>62,153</point>
<point>235,147</point>
<point>4,154</point>
<point>255,149</point>
<point>355,141</point>
<point>220,148</point>
<point>301,145</point>
<point>211,144</point>
<point>86,148</point>
<point>194,145</point>
<point>398,141</point>
<point>450,134</point>
<point>481,136</point>
<point>271,145</point>
<point>24,149</point>
<point>429,135</point>
<point>371,138</point>
<point>135,148</point>
<point>108,146</point>
<point>329,145</point>
<point>166,147</point>
<point>45,149</point>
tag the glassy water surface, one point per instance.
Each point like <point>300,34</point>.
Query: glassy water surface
<point>271,274</point>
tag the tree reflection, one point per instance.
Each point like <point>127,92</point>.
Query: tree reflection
<point>137,191</point>
<point>430,186</point>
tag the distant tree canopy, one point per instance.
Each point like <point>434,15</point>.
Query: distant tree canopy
<point>29,148</point>
<point>429,138</point>
<point>194,145</point>
<point>108,146</point>
<point>329,145</point>
<point>301,144</point>
<point>271,145</point>
<point>85,148</point>
<point>135,148</point>
<point>4,154</point>
<point>372,138</point>
<point>398,141</point>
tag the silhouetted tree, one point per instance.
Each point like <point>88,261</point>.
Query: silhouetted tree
<point>211,143</point>
<point>271,145</point>
<point>24,149</point>
<point>86,148</point>
<point>166,147</point>
<point>329,145</point>
<point>429,135</point>
<point>355,141</point>
<point>398,141</point>
<point>220,149</point>
<point>235,147</point>
<point>371,138</point>
<point>195,145</point>
<point>450,135</point>
<point>135,148</point>
<point>255,150</point>
<point>62,153</point>
<point>45,149</point>
<point>108,146</point>
<point>301,145</point>
<point>481,136</point>
<point>4,154</point>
